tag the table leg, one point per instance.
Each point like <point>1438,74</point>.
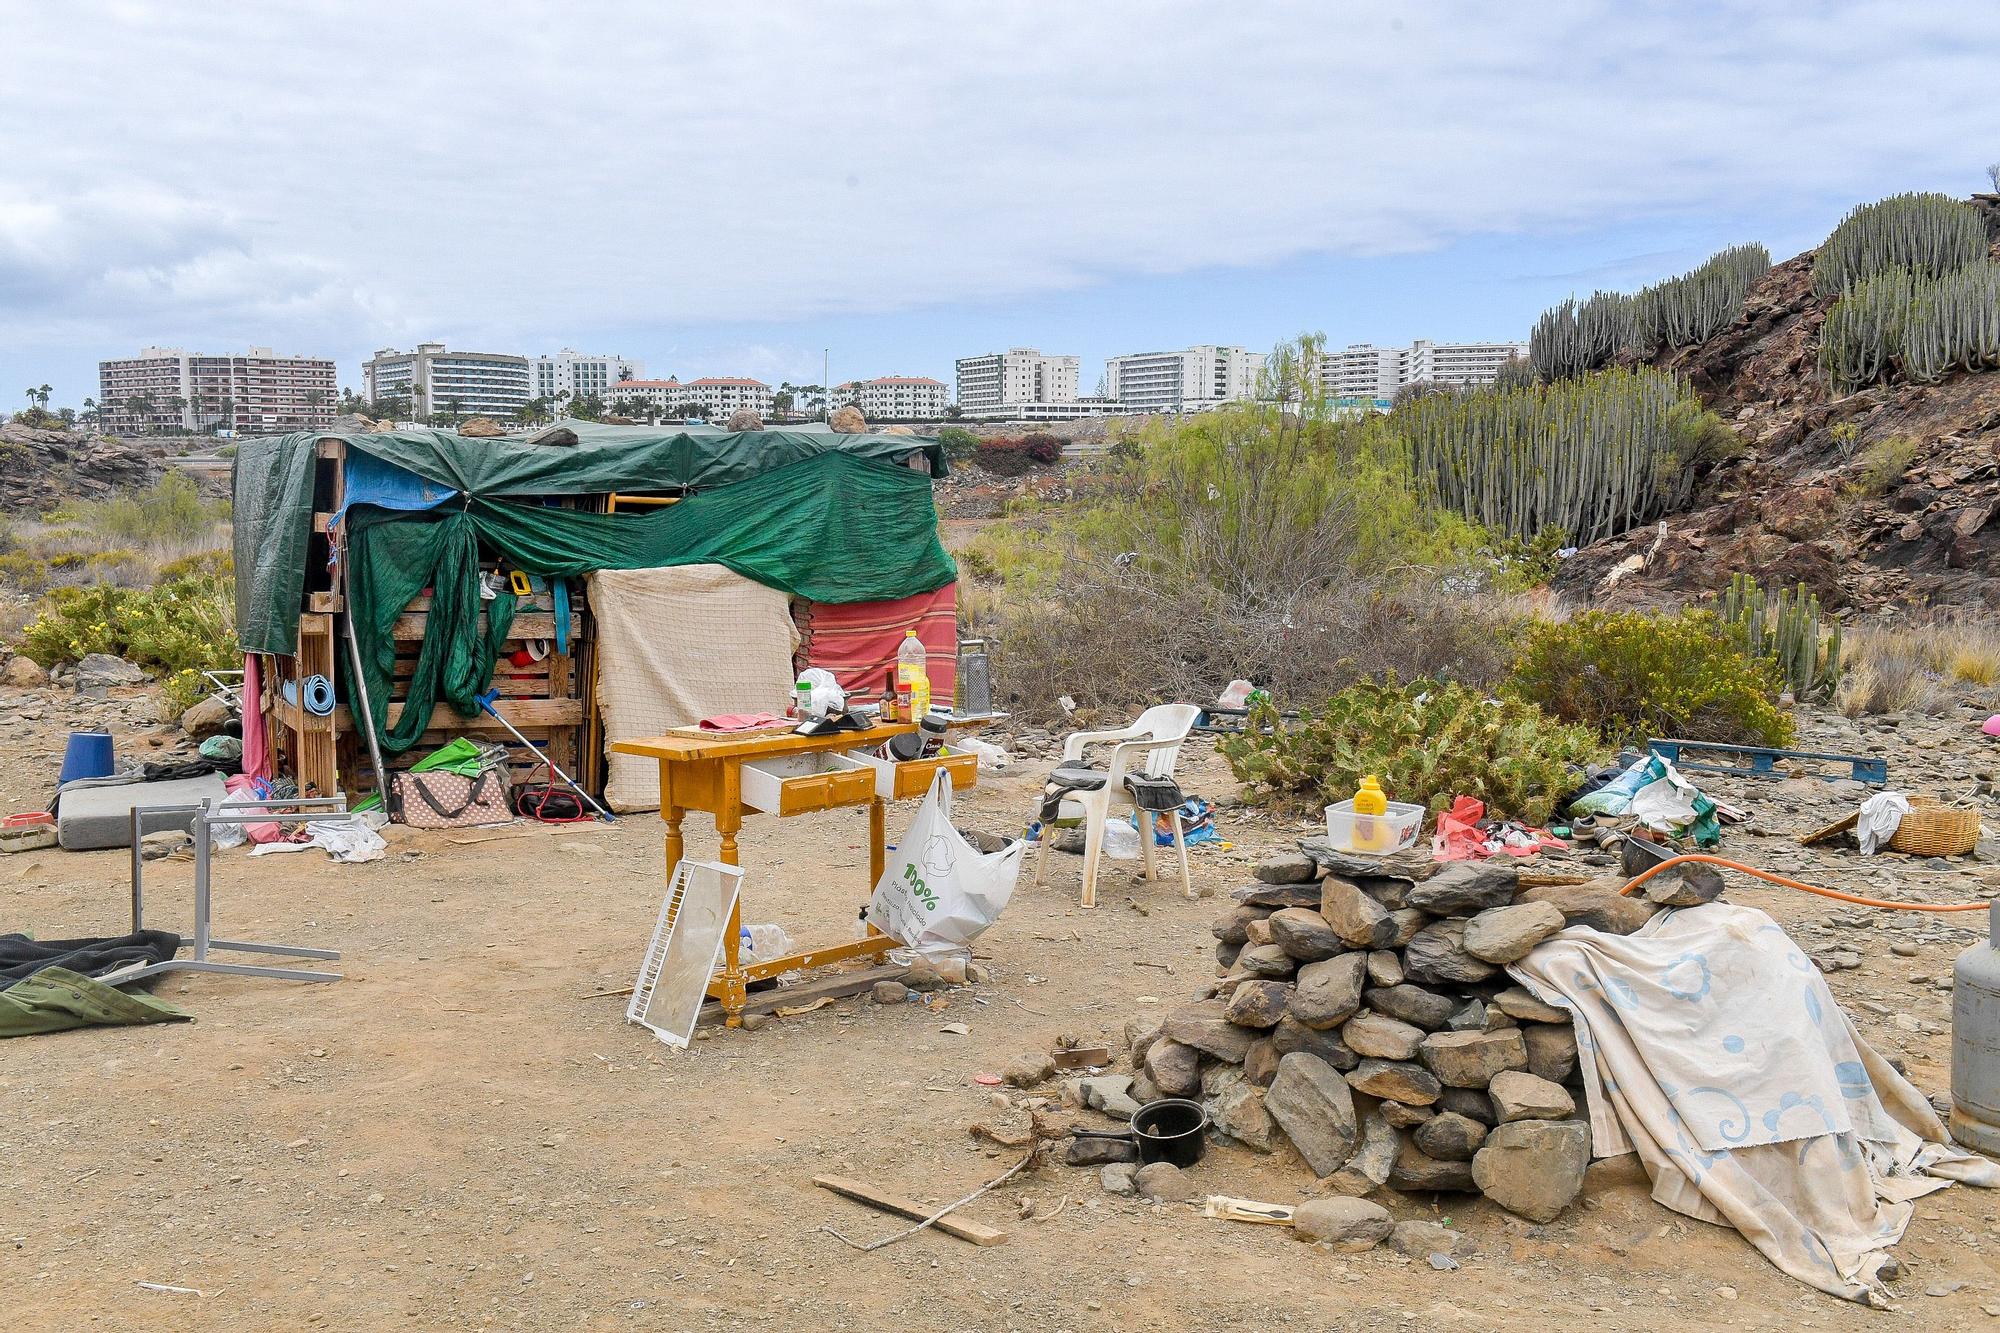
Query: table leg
<point>878,840</point>
<point>676,848</point>
<point>735,991</point>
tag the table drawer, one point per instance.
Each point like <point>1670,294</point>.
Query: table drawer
<point>912,777</point>
<point>796,784</point>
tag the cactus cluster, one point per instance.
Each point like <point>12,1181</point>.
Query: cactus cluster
<point>1787,631</point>
<point>1699,304</point>
<point>1921,325</point>
<point>1923,233</point>
<point>1592,456</point>
<point>1578,337</point>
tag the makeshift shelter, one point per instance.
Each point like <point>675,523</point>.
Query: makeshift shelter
<point>468,560</point>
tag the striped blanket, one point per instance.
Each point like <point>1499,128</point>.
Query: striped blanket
<point>857,641</point>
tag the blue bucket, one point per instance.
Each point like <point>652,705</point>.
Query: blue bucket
<point>88,756</point>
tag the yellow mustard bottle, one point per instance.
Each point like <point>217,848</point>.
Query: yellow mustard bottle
<point>1371,831</point>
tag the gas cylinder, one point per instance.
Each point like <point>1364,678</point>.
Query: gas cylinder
<point>1975,1042</point>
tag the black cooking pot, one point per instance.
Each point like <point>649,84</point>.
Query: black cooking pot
<point>1172,1129</point>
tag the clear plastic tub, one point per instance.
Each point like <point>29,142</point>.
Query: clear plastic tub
<point>1373,835</point>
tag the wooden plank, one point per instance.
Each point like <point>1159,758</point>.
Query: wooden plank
<point>527,625</point>
<point>523,713</point>
<point>835,984</point>
<point>330,448</point>
<point>324,603</point>
<point>862,1192</point>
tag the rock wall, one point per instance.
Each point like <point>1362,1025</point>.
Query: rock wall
<point>39,468</point>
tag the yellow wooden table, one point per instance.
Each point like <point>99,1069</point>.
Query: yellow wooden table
<point>731,776</point>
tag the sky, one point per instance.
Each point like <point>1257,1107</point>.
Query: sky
<point>739,189</point>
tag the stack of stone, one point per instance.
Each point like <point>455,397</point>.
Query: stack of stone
<point>1365,1016</point>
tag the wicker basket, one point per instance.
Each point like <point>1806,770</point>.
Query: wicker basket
<point>1933,828</point>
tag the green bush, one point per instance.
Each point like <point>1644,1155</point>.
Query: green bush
<point>958,443</point>
<point>1632,676</point>
<point>177,628</point>
<point>170,511</point>
<point>1920,233</point>
<point>1427,741</point>
<point>1699,304</point>
<point>1578,337</point>
<point>1921,326</point>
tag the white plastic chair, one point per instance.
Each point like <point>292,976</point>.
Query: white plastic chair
<point>1150,746</point>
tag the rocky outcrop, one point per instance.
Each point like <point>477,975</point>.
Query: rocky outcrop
<point>40,467</point>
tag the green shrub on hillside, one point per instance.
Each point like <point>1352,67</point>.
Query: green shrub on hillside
<point>171,511</point>
<point>1920,326</point>
<point>177,628</point>
<point>1633,676</point>
<point>957,442</point>
<point>1920,233</point>
<point>1427,741</point>
<point>1701,303</point>
<point>1578,337</point>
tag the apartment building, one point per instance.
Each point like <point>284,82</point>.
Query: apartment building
<point>257,393</point>
<point>1193,380</point>
<point>580,375</point>
<point>996,384</point>
<point>434,379</point>
<point>896,397</point>
<point>1363,371</point>
<point>672,397</point>
<point>1459,364</point>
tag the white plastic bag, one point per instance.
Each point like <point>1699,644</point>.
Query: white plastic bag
<point>827,696</point>
<point>1121,840</point>
<point>938,889</point>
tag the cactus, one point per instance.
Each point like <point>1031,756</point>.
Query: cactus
<point>1787,631</point>
<point>1576,338</point>
<point>1922,326</point>
<point>1924,233</point>
<point>1699,304</point>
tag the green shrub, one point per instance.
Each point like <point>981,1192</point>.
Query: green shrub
<point>177,628</point>
<point>1578,337</point>
<point>24,571</point>
<point>958,443</point>
<point>1883,464</point>
<point>1920,233</point>
<point>1698,305</point>
<point>170,511</point>
<point>1427,741</point>
<point>1632,676</point>
<point>219,563</point>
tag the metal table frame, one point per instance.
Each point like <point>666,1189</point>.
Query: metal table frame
<point>201,819</point>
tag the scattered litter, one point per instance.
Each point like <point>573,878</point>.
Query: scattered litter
<point>1070,1054</point>
<point>794,1010</point>
<point>987,1080</point>
<point>1880,816</point>
<point>1247,1210</point>
<point>874,1198</point>
<point>169,1287</point>
<point>956,1029</point>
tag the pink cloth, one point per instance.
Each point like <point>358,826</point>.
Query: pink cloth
<point>740,721</point>
<point>256,752</point>
<point>1459,837</point>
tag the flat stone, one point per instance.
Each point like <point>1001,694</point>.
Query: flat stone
<point>1534,1167</point>
<point>1174,1068</point>
<point>1392,893</point>
<point>1217,1078</point>
<point>1116,1177</point>
<point>1096,1152</point>
<point>1258,1004</point>
<point>1291,1035</point>
<point>1287,868</point>
<point>1470,1017</point>
<point>1239,1113</point>
<point>1328,992</point>
<point>1396,1081</point>
<point>1518,1002</point>
<point>1260,1064</point>
<point>1408,922</point>
<point>1450,1137</point>
<point>1413,1004</point>
<point>1207,1028</point>
<point>1507,934</point>
<point>1417,1170</point>
<point>1472,1103</point>
<point>1358,920</point>
<point>1551,1050</point>
<point>101,670</point>
<point>1352,1225</point>
<point>1413,864</point>
<point>1385,968</point>
<point>1265,960</point>
<point>1313,1105</point>
<point>1518,1095</point>
<point>1111,1094</point>
<point>1028,1069</point>
<point>1471,1059</point>
<point>1437,955</point>
<point>1374,1157</point>
<point>1163,1182</point>
<point>1596,904</point>
<point>1405,1116</point>
<point>1417,1239</point>
<point>1233,926</point>
<point>1464,887</point>
<point>1272,896</point>
<point>1305,934</point>
<point>1380,1037</point>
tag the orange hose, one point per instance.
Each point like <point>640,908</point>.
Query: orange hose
<point>1697,858</point>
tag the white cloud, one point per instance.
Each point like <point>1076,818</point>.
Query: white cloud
<point>339,175</point>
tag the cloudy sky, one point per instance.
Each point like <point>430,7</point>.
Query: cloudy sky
<point>730,188</point>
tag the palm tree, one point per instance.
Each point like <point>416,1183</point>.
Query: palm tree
<point>90,409</point>
<point>313,399</point>
<point>140,406</point>
<point>178,406</point>
<point>454,406</point>
<point>42,396</point>
<point>226,408</point>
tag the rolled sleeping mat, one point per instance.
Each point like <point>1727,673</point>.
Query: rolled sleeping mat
<point>318,695</point>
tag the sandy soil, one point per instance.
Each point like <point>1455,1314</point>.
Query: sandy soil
<point>458,1135</point>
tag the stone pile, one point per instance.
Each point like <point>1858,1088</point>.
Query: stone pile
<point>1365,1017</point>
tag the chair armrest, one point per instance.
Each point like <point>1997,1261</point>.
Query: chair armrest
<point>1074,746</point>
<point>1127,751</point>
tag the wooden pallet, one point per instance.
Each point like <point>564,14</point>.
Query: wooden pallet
<point>1759,761</point>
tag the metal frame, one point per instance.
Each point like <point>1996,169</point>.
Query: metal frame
<point>1683,754</point>
<point>201,819</point>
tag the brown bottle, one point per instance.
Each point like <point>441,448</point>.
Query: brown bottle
<point>889,695</point>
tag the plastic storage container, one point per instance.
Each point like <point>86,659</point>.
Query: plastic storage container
<point>1373,835</point>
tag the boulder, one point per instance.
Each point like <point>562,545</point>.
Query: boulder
<point>1163,1182</point>
<point>1291,1035</point>
<point>1174,1068</point>
<point>1389,891</point>
<point>481,428</point>
<point>1385,968</point>
<point>102,670</point>
<point>1517,1002</point>
<point>1472,1103</point>
<point>847,421</point>
<point>207,717</point>
<point>1374,1157</point>
<point>1380,1037</point>
<point>1519,1095</point>
<point>1287,868</point>
<point>1551,1050</point>
<point>1304,934</point>
<point>1233,926</point>
<point>1412,864</point>
<point>1265,960</point>
<point>22,674</point>
<point>1405,1116</point>
<point>1437,955</point>
<point>1116,1177</point>
<point>1207,1028</point>
<point>1449,1136</point>
<point>1096,1152</point>
<point>1396,1081</point>
<point>1471,1059</point>
<point>1506,934</point>
<point>1260,1063</point>
<point>1417,1170</point>
<point>1463,887</point>
<point>1596,904</point>
<point>1258,932</point>
<point>1111,1094</point>
<point>1239,1113</point>
<point>1328,992</point>
<point>1023,1071</point>
<point>1533,1167</point>
<point>1413,1004</point>
<point>1313,1105</point>
<point>1141,1031</point>
<point>1348,1224</point>
<point>744,418</point>
<point>1408,921</point>
<point>1357,919</point>
<point>1416,1239</point>
<point>1257,1004</point>
<point>1227,954</point>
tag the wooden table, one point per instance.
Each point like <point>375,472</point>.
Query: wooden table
<point>706,773</point>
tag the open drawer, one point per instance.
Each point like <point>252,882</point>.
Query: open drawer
<point>795,784</point>
<point>912,777</point>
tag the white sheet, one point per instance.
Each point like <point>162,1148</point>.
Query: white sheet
<point>1711,1046</point>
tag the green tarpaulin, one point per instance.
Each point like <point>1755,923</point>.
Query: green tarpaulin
<point>274,486</point>
<point>831,527</point>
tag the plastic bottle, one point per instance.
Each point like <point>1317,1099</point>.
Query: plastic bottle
<point>803,691</point>
<point>1371,833</point>
<point>913,680</point>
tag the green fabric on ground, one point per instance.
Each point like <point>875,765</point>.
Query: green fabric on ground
<point>831,528</point>
<point>55,999</point>
<point>271,508</point>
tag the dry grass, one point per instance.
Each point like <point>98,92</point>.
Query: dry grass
<point>1896,667</point>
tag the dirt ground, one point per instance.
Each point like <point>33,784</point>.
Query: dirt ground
<point>460,1134</point>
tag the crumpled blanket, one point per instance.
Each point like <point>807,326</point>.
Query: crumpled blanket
<point>21,956</point>
<point>1711,1046</point>
<point>1148,793</point>
<point>55,999</point>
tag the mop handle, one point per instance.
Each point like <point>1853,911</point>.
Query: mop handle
<point>485,701</point>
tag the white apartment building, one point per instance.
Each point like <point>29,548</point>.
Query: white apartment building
<point>896,397</point>
<point>1363,371</point>
<point>257,393</point>
<point>995,384</point>
<point>1459,364</point>
<point>579,375</point>
<point>431,379</point>
<point>671,397</point>
<point>1194,380</point>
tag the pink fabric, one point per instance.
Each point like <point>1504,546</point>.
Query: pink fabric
<point>243,784</point>
<point>256,753</point>
<point>1459,837</point>
<point>857,641</point>
<point>1992,725</point>
<point>739,721</point>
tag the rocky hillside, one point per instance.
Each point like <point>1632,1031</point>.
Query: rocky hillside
<point>39,468</point>
<point>1886,496</point>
